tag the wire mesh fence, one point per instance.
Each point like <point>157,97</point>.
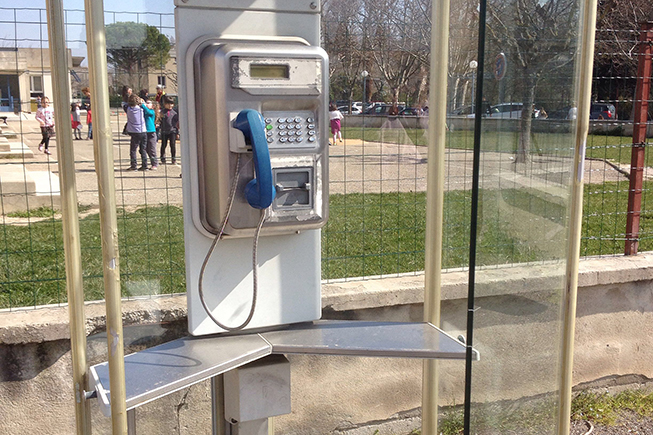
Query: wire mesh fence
<point>149,202</point>
<point>377,172</point>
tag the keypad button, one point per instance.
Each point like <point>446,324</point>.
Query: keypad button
<point>311,138</point>
<point>309,120</point>
<point>283,140</point>
<point>298,126</point>
<point>311,126</point>
<point>282,126</point>
<point>291,139</point>
<point>269,134</point>
<point>298,119</point>
<point>281,120</point>
<point>311,132</point>
<point>268,120</point>
<point>270,140</point>
<point>300,139</point>
<point>283,133</point>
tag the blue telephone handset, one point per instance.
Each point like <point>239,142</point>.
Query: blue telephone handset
<point>260,191</point>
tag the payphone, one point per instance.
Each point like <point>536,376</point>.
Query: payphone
<point>261,104</point>
<point>256,164</point>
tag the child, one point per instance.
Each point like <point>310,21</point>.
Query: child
<point>76,121</point>
<point>138,132</point>
<point>150,114</point>
<point>335,116</point>
<point>89,122</point>
<point>169,129</point>
<point>45,117</point>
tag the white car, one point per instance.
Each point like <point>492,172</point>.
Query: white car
<point>345,110</point>
<point>510,110</point>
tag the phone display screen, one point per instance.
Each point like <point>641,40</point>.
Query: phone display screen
<point>267,71</point>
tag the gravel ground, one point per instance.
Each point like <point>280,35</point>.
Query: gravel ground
<point>628,423</point>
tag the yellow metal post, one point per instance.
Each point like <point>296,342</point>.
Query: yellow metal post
<point>435,200</point>
<point>584,93</point>
<point>103,148</point>
<point>69,215</point>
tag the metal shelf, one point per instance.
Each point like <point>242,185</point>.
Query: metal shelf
<point>164,369</point>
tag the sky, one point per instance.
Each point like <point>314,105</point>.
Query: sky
<point>27,32</point>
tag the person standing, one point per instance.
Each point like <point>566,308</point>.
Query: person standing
<point>335,116</point>
<point>169,129</point>
<point>159,94</point>
<point>136,129</point>
<point>158,99</point>
<point>86,99</point>
<point>45,117</point>
<point>89,122</point>
<point>86,104</point>
<point>150,114</point>
<point>125,93</point>
<point>573,113</point>
<point>76,121</point>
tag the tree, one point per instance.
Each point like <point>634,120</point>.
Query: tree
<point>617,26</point>
<point>463,41</point>
<point>538,36</point>
<point>133,48</point>
<point>342,38</point>
<point>395,33</point>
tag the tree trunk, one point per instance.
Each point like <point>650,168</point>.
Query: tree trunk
<point>395,95</point>
<point>423,85</point>
<point>525,124</point>
<point>454,99</point>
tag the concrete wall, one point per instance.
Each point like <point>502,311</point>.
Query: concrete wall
<point>517,315</point>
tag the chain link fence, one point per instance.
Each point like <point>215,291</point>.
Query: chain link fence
<point>377,172</point>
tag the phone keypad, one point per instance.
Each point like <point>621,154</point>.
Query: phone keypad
<point>290,130</point>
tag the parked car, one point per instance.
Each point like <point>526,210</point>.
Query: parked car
<point>510,110</point>
<point>345,110</point>
<point>468,111</point>
<point>381,109</point>
<point>603,111</point>
<point>410,111</point>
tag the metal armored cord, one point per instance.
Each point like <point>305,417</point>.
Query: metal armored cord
<point>232,195</point>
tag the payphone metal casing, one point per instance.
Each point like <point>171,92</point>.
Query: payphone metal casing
<point>283,80</point>
<point>289,263</point>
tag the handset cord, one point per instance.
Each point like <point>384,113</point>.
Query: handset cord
<point>232,195</point>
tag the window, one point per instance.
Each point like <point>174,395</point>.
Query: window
<point>161,80</point>
<point>36,83</point>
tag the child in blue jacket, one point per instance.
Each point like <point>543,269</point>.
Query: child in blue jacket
<point>150,113</point>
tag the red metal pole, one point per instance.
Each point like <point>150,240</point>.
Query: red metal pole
<point>642,92</point>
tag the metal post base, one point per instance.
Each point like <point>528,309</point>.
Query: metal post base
<point>254,427</point>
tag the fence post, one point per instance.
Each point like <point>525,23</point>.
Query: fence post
<point>435,201</point>
<point>69,212</point>
<point>104,167</point>
<point>638,153</point>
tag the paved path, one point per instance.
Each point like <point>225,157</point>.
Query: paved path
<point>355,166</point>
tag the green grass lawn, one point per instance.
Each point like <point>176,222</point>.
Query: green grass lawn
<point>415,136</point>
<point>371,234</point>
<point>151,257</point>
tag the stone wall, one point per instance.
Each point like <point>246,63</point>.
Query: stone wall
<point>334,394</point>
